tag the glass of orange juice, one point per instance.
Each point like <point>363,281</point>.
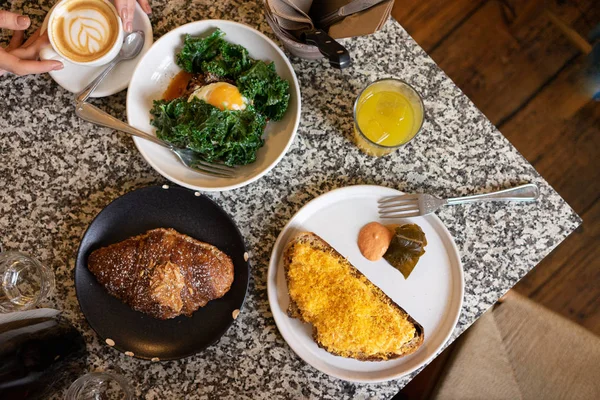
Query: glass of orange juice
<point>387,114</point>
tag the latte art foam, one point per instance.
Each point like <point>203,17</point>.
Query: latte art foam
<point>85,30</point>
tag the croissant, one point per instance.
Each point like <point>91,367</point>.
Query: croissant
<point>163,273</point>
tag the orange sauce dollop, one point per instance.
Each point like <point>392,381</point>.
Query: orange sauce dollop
<point>374,240</point>
<point>177,86</point>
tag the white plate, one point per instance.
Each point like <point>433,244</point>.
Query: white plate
<point>75,78</point>
<point>432,294</point>
<point>152,76</point>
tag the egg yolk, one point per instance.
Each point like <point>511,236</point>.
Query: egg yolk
<point>222,95</point>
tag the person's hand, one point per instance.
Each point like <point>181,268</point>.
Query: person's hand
<point>21,58</point>
<point>126,9</point>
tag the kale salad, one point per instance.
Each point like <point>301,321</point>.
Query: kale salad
<point>219,105</point>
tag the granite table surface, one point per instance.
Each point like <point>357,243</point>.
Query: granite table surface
<point>57,172</point>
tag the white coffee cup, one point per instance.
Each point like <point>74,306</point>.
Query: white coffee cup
<point>53,51</point>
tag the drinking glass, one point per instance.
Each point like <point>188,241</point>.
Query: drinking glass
<point>99,386</point>
<point>388,113</point>
<point>25,282</point>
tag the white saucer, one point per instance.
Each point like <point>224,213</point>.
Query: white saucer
<point>75,78</point>
<point>432,294</point>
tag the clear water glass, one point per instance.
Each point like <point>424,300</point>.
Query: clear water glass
<point>100,386</point>
<point>25,282</point>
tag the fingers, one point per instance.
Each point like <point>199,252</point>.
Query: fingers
<point>31,39</point>
<point>145,6</point>
<point>126,11</point>
<point>15,41</point>
<point>31,51</point>
<point>22,60</point>
<point>13,21</point>
<point>10,63</point>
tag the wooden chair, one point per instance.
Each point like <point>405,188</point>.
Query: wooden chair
<point>516,350</point>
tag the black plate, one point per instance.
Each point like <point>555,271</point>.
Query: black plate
<point>135,213</point>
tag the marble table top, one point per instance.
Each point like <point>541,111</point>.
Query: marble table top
<point>57,172</point>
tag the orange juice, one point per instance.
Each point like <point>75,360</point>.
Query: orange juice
<point>387,114</point>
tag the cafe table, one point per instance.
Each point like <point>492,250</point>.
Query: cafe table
<point>57,172</point>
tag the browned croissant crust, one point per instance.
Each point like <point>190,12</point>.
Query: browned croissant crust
<point>163,273</point>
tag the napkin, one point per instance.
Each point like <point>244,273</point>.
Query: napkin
<point>29,314</point>
<point>362,23</point>
<point>288,19</point>
<point>19,322</point>
<point>291,15</point>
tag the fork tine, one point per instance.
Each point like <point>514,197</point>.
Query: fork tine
<point>218,167</point>
<point>388,199</point>
<point>398,210</point>
<point>397,201</point>
<point>214,172</point>
<point>400,215</point>
<point>193,161</point>
<point>409,203</point>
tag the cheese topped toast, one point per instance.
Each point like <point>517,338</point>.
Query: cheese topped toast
<point>351,317</point>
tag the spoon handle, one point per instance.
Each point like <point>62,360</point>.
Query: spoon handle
<point>85,93</point>
<point>93,114</point>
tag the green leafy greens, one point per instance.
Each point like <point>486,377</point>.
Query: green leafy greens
<point>267,90</point>
<point>213,54</point>
<point>256,80</point>
<point>406,247</point>
<point>231,137</point>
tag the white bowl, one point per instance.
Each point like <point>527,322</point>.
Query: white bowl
<point>152,76</point>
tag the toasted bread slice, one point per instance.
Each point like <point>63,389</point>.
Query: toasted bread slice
<point>351,317</point>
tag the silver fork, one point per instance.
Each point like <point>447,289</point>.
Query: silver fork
<point>413,205</point>
<point>188,157</point>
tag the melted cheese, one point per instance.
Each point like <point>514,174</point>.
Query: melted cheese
<point>348,315</point>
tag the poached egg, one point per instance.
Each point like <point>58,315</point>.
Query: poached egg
<point>222,95</point>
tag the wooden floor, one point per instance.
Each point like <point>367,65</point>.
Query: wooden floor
<point>523,74</point>
<point>524,79</point>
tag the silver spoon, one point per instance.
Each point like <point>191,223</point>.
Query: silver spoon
<point>132,45</point>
